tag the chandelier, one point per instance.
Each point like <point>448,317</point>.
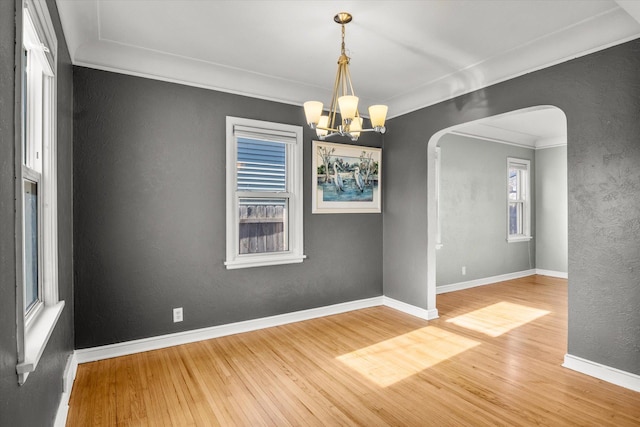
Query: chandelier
<point>344,100</point>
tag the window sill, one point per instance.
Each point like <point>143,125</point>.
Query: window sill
<point>36,338</point>
<point>264,260</point>
<point>519,239</point>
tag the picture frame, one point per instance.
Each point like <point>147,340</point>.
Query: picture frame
<point>358,186</point>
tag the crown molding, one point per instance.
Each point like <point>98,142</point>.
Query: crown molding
<point>81,24</point>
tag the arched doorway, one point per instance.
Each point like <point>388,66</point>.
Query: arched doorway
<point>521,124</point>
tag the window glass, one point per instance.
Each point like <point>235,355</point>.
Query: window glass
<point>513,184</point>
<point>263,225</point>
<point>515,218</point>
<point>31,251</point>
<point>261,165</point>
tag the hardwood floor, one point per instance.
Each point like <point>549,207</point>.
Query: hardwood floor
<point>493,358</point>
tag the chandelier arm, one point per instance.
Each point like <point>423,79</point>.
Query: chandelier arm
<point>377,129</point>
<point>333,134</point>
<point>327,128</point>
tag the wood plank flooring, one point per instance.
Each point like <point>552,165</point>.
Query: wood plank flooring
<point>492,359</point>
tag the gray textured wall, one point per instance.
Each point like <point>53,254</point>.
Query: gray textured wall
<point>473,211</point>
<point>551,209</point>
<point>600,95</point>
<point>149,200</point>
<point>36,402</point>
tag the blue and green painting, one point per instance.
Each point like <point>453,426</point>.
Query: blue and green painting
<point>349,179</point>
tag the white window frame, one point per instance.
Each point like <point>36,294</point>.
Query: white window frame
<point>290,135</point>
<point>525,200</point>
<point>38,164</point>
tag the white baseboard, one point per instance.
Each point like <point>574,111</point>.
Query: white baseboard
<point>68,378</point>
<point>163,341</point>
<point>61,415</point>
<point>559,274</point>
<point>602,372</point>
<point>484,281</point>
<point>411,309</point>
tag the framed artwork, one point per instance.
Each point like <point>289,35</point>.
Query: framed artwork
<point>346,178</point>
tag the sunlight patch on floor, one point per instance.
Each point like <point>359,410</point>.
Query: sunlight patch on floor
<point>497,319</point>
<point>395,359</point>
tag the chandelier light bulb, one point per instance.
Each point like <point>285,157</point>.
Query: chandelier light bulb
<point>355,127</point>
<point>323,124</point>
<point>313,110</point>
<point>378,114</point>
<point>348,107</point>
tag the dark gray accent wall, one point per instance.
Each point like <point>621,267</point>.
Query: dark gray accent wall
<point>473,211</point>
<point>36,402</point>
<point>149,211</point>
<point>600,95</point>
<point>551,209</point>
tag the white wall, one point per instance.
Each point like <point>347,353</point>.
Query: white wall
<point>473,211</point>
<point>551,209</point>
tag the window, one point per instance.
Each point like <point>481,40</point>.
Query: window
<point>518,203</point>
<point>264,193</point>
<point>36,214</point>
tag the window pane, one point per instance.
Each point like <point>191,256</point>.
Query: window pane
<point>516,211</point>
<point>513,184</point>
<point>263,226</point>
<point>261,165</point>
<point>31,244</point>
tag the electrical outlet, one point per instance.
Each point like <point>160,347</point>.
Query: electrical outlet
<point>177,314</point>
<point>464,270</point>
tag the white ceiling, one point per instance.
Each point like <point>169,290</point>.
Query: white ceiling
<point>537,127</point>
<point>407,54</point>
